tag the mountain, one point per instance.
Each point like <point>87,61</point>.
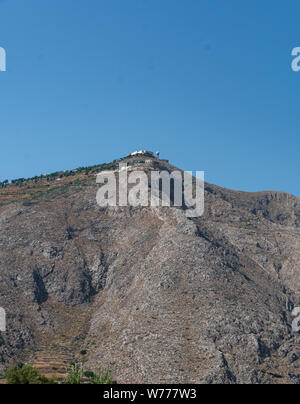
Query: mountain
<point>157,297</point>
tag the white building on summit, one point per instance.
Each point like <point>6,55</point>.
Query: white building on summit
<point>142,153</point>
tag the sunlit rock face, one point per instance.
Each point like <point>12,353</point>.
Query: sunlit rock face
<point>158,297</point>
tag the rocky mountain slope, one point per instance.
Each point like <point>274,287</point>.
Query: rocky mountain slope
<point>154,295</point>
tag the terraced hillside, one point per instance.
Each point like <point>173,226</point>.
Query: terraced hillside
<point>52,362</point>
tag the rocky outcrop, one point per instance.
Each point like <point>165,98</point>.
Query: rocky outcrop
<point>154,295</point>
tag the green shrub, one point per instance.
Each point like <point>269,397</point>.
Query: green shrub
<point>103,377</point>
<point>89,374</point>
<point>26,374</point>
<point>75,375</point>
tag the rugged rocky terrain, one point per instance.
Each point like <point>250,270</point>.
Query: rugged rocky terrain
<point>154,295</point>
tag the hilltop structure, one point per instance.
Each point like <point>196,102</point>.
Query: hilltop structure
<point>142,153</point>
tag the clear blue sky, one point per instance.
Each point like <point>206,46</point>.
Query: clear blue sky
<point>206,82</point>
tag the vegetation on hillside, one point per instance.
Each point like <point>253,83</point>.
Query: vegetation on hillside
<point>26,374</point>
<point>51,185</point>
<point>60,174</point>
<point>68,173</point>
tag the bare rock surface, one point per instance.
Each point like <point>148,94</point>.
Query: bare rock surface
<point>156,296</point>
